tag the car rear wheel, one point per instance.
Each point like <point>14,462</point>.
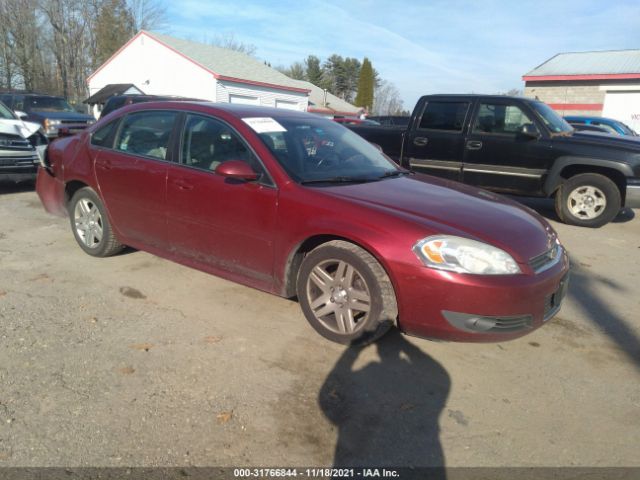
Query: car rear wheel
<point>588,200</point>
<point>345,294</point>
<point>90,225</point>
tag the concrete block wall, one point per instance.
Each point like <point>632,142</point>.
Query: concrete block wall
<point>568,93</point>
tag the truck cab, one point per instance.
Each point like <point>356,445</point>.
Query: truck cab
<point>518,146</point>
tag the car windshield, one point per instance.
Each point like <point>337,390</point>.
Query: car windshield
<point>317,151</point>
<point>627,130</point>
<point>551,119</point>
<point>5,113</point>
<point>49,104</point>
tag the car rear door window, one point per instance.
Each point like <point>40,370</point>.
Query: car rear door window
<point>444,116</point>
<point>500,118</point>
<point>146,133</point>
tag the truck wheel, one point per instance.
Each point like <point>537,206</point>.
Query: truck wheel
<point>345,294</point>
<point>90,225</point>
<point>588,200</point>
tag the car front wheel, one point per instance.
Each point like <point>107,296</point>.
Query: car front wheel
<point>90,224</point>
<point>588,200</point>
<point>345,294</point>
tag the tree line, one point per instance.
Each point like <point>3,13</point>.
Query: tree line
<point>354,81</point>
<point>52,46</point>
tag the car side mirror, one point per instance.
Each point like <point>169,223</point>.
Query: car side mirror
<point>237,170</point>
<point>529,130</point>
<point>20,114</point>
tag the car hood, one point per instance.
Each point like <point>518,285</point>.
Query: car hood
<point>601,140</point>
<point>53,115</point>
<point>18,127</point>
<point>446,207</point>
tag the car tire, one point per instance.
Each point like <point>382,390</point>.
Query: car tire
<point>90,224</point>
<point>345,294</point>
<point>588,200</point>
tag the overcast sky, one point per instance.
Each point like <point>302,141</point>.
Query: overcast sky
<point>421,46</point>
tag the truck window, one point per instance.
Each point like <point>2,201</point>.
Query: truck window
<point>444,116</point>
<point>500,118</point>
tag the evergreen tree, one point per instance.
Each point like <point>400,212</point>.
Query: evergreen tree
<point>314,71</point>
<point>114,27</point>
<point>364,98</point>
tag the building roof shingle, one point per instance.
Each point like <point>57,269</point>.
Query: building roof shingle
<point>226,64</point>
<point>333,104</point>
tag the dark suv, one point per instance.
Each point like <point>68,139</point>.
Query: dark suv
<point>51,112</point>
<point>118,101</point>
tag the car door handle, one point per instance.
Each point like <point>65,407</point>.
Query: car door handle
<point>474,145</point>
<point>182,184</point>
<point>420,141</point>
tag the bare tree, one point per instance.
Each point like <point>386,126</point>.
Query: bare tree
<point>70,21</point>
<point>230,42</point>
<point>148,14</point>
<point>386,99</point>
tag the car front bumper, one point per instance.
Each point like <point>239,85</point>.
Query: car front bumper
<point>478,308</point>
<point>18,165</point>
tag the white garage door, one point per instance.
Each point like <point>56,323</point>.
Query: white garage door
<point>287,105</point>
<point>623,106</point>
<point>244,100</point>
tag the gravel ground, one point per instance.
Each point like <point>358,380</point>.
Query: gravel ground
<point>137,361</point>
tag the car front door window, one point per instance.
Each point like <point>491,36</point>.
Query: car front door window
<point>207,143</point>
<point>499,118</point>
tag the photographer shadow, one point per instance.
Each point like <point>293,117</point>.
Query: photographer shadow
<point>387,412</point>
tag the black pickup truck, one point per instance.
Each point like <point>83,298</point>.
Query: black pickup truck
<point>518,146</point>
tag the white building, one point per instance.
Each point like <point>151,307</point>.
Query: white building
<point>163,65</point>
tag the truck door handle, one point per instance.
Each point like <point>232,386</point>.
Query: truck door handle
<point>420,141</point>
<point>182,185</point>
<point>474,145</point>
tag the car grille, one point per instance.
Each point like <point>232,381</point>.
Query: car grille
<point>546,260</point>
<point>14,142</point>
<point>504,325</point>
<point>18,160</point>
<point>80,123</point>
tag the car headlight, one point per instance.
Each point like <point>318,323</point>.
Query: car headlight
<point>51,126</point>
<point>462,255</point>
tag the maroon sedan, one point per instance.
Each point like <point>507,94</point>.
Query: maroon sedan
<point>297,205</point>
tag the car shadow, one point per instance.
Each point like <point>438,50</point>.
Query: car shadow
<point>582,288</point>
<point>386,412</point>
<point>546,208</point>
<point>12,187</point>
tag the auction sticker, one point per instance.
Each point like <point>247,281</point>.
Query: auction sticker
<point>264,124</point>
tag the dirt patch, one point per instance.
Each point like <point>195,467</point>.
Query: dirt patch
<point>132,293</point>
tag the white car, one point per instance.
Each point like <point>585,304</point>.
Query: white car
<point>22,147</point>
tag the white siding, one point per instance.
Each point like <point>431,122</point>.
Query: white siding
<point>156,70</point>
<point>244,100</point>
<point>623,106</point>
<point>286,105</point>
<point>267,96</point>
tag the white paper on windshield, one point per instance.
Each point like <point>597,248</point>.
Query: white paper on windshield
<point>264,124</point>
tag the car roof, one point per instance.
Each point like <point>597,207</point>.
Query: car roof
<point>471,96</point>
<point>239,111</point>
<point>590,117</point>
